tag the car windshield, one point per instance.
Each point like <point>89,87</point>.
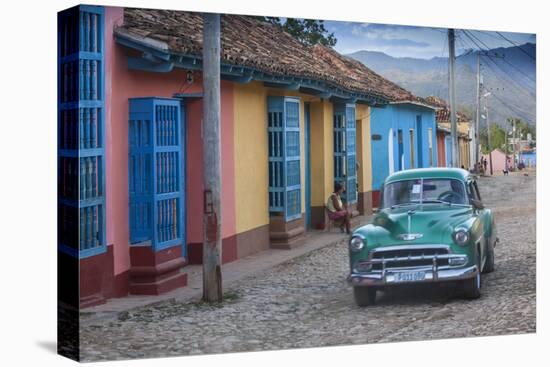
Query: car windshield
<point>410,192</point>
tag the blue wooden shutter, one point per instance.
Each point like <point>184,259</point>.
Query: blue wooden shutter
<point>293,192</point>
<point>275,127</point>
<point>351,157</point>
<point>156,173</point>
<point>285,195</point>
<point>345,170</point>
<point>81,131</point>
<point>140,170</point>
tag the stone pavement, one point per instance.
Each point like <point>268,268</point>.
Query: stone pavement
<point>232,272</point>
<point>306,302</point>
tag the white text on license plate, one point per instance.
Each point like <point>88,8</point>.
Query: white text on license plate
<point>413,276</point>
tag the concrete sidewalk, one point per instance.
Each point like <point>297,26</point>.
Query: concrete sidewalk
<point>232,272</point>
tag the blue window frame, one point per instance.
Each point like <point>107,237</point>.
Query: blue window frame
<point>81,151</point>
<point>345,158</point>
<point>285,190</point>
<point>156,172</point>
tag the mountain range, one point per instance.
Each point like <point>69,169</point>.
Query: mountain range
<point>508,73</point>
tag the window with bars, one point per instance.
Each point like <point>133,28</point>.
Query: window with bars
<point>345,158</point>
<point>81,167</point>
<point>156,172</point>
<point>285,195</point>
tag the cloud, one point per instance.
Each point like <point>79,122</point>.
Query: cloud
<point>405,43</point>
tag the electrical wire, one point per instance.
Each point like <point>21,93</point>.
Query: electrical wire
<point>518,46</point>
<point>508,106</point>
<point>487,48</point>
<point>504,72</point>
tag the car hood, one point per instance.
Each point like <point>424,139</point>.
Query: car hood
<point>435,223</point>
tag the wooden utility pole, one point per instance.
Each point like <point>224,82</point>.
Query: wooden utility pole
<point>211,131</point>
<point>478,97</point>
<point>515,140</point>
<point>489,133</point>
<point>452,98</point>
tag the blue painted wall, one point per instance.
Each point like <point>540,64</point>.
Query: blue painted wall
<point>529,157</point>
<point>404,117</point>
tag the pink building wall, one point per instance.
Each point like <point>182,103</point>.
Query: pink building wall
<point>122,84</point>
<point>498,161</point>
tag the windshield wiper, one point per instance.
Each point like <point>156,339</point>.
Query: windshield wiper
<point>403,204</point>
<point>435,201</point>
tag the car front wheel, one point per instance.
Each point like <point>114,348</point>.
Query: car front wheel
<point>364,296</point>
<point>490,261</point>
<point>472,286</point>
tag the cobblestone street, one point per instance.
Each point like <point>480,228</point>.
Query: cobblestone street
<point>306,302</point>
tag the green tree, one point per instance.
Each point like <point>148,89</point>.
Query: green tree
<point>307,31</point>
<point>498,139</point>
<point>522,128</point>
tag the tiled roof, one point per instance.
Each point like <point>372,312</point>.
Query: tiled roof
<point>443,113</point>
<point>249,42</point>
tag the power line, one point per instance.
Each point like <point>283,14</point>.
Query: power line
<point>514,109</point>
<point>489,57</point>
<point>507,105</point>
<point>504,74</point>
<point>506,61</point>
<point>518,46</point>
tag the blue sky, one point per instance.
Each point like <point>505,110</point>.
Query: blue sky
<point>409,41</point>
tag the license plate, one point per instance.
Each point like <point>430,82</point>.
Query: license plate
<point>413,276</point>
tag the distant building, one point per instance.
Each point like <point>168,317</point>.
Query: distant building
<point>465,133</point>
<point>500,161</point>
<point>528,158</point>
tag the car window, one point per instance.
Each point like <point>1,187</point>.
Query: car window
<point>423,190</point>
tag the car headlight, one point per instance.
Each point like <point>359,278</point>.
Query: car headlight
<point>461,237</point>
<point>356,243</point>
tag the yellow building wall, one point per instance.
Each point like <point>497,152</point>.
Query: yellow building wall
<point>362,116</point>
<point>251,166</point>
<point>464,152</point>
<point>321,149</point>
<point>251,155</point>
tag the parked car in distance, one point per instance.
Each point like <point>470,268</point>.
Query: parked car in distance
<point>431,227</point>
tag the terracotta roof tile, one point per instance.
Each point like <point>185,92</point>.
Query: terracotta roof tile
<point>247,41</point>
<point>443,113</point>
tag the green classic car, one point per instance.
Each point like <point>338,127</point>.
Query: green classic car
<point>431,227</point>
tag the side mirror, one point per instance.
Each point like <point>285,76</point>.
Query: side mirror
<point>476,204</point>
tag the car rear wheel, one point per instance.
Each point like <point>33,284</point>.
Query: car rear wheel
<point>364,296</point>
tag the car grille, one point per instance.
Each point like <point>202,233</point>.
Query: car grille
<point>413,256</point>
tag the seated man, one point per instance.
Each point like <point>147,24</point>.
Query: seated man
<point>335,209</point>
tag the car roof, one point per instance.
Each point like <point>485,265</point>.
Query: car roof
<point>439,172</point>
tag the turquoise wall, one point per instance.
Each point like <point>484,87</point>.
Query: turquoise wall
<point>402,117</point>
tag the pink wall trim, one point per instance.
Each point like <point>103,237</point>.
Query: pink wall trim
<point>122,84</point>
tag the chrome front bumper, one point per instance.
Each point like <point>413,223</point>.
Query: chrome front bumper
<point>388,277</point>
